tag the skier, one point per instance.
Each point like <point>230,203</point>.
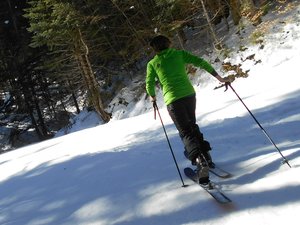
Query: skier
<point>168,67</point>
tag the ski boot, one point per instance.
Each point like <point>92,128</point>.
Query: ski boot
<point>202,171</point>
<point>208,159</point>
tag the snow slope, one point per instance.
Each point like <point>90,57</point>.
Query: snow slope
<point>122,172</point>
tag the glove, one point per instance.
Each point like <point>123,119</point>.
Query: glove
<point>229,79</point>
<point>153,98</point>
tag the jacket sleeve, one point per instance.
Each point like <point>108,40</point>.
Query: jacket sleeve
<point>197,61</point>
<point>150,80</point>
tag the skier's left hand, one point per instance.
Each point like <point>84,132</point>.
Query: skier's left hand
<point>153,98</point>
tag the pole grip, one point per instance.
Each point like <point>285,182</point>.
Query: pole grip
<point>155,107</point>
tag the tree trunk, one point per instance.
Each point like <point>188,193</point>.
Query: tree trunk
<point>235,7</point>
<point>73,96</point>
<point>47,95</point>
<point>32,96</point>
<point>42,125</point>
<point>31,114</point>
<point>217,43</point>
<point>89,77</point>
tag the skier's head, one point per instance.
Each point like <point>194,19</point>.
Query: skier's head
<point>160,43</point>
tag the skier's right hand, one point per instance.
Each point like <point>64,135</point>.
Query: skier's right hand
<point>228,79</point>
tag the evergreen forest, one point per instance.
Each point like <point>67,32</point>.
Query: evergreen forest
<point>58,57</point>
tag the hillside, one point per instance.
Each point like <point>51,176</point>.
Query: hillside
<point>122,172</point>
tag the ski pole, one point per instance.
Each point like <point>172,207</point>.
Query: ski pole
<point>170,147</point>
<point>263,130</point>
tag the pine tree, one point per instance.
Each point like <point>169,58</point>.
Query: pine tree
<point>16,60</point>
<point>58,25</point>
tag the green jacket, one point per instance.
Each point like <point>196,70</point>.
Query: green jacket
<point>168,66</point>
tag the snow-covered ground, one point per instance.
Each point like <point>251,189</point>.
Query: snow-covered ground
<point>123,173</point>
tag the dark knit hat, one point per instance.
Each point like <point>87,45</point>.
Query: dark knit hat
<point>160,43</point>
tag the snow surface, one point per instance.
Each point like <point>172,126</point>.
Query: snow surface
<point>123,173</point>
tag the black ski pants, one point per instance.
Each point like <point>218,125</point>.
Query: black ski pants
<point>182,112</point>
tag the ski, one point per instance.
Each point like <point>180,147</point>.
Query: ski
<point>210,188</point>
<point>216,170</point>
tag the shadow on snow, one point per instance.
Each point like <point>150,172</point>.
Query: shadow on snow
<point>125,187</point>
